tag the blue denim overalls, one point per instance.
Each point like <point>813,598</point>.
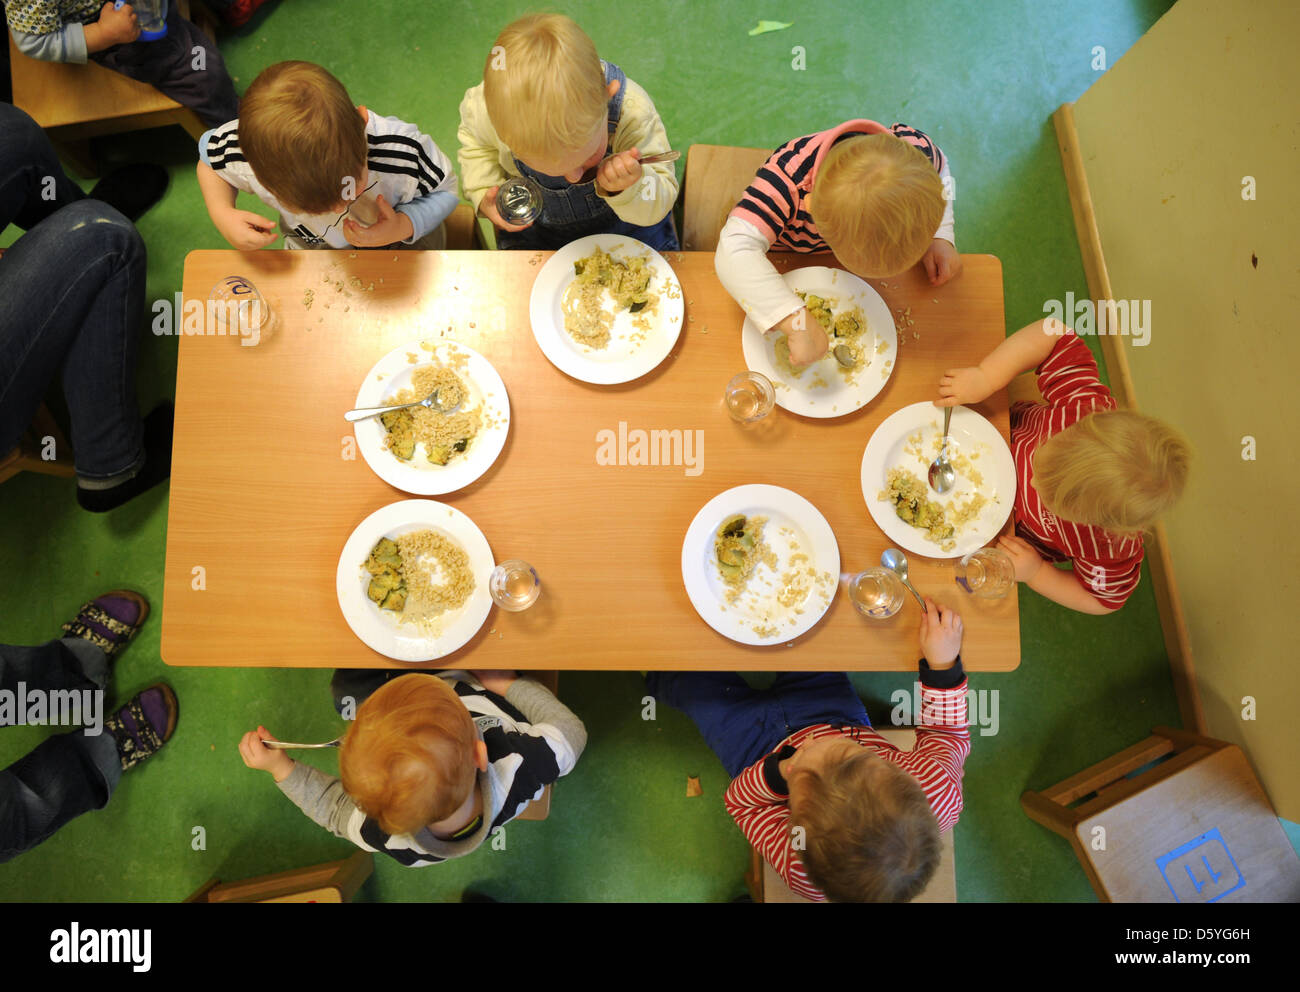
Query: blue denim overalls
<point>574,210</point>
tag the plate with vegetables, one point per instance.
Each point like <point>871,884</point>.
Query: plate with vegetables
<point>760,564</point>
<point>856,320</point>
<point>895,468</point>
<point>606,309</point>
<point>412,580</point>
<point>433,451</point>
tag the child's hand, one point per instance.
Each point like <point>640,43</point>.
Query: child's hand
<point>118,26</point>
<point>1026,559</point>
<point>496,681</point>
<point>391,228</point>
<point>258,755</point>
<point>961,386</point>
<point>620,171</point>
<point>488,208</point>
<point>941,261</point>
<point>244,229</point>
<point>805,336</point>
<point>940,634</point>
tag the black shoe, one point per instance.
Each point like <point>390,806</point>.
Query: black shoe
<point>132,189</point>
<point>157,465</point>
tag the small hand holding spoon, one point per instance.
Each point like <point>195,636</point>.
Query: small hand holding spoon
<point>942,474</point>
<point>431,402</point>
<point>282,745</point>
<point>896,562</point>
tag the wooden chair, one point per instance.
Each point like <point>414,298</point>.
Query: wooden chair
<point>765,885</point>
<point>335,881</point>
<point>27,456</point>
<point>716,176</point>
<point>75,103</point>
<point>463,230</point>
<point>1196,827</point>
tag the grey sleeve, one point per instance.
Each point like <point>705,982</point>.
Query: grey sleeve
<point>322,798</point>
<point>65,45</point>
<point>539,705</point>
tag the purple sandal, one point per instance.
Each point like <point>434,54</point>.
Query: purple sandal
<point>109,621</point>
<point>144,725</point>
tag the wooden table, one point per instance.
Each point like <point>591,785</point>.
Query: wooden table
<point>263,496</point>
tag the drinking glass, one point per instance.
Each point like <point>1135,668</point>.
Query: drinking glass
<point>988,573</point>
<point>514,585</point>
<point>876,593</point>
<point>750,397</point>
<point>239,309</point>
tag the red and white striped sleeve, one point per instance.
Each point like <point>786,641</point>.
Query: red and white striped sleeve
<point>764,818</point>
<point>942,744</point>
<point>1069,374</point>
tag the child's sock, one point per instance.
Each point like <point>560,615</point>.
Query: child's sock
<point>132,189</point>
<point>156,468</point>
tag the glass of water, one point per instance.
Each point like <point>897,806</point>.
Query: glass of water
<point>519,201</point>
<point>238,309</point>
<point>988,573</point>
<point>876,593</point>
<point>750,396</point>
<point>514,585</point>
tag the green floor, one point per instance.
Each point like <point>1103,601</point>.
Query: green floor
<point>983,79</point>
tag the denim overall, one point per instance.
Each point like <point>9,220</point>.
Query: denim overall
<point>574,210</point>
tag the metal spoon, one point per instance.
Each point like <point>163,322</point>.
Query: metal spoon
<point>896,562</point>
<point>845,356</point>
<point>661,157</point>
<point>942,474</point>
<point>281,745</point>
<point>430,401</point>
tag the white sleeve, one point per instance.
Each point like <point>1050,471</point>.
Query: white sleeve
<point>947,224</point>
<point>753,282</point>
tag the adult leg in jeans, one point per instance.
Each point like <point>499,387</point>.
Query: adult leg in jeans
<point>68,774</point>
<point>32,182</point>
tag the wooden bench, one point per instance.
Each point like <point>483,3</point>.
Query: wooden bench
<point>334,881</point>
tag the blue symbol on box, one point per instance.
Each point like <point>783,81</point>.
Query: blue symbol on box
<point>1202,870</point>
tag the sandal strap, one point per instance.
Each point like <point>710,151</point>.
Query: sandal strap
<point>93,613</point>
<point>133,746</point>
<point>75,628</point>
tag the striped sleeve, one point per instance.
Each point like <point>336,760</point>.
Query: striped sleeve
<point>942,744</point>
<point>922,142</point>
<point>771,201</point>
<point>403,150</point>
<point>1110,575</point>
<point>764,818</point>
<point>219,150</point>
<point>1069,374</point>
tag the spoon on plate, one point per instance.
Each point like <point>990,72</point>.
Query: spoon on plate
<point>942,474</point>
<point>896,562</point>
<point>282,745</point>
<point>845,356</point>
<point>429,402</point>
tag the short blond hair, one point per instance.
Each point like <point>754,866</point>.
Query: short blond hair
<point>302,136</point>
<point>544,87</point>
<point>869,832</point>
<point>408,758</point>
<point>1115,469</point>
<point>877,202</point>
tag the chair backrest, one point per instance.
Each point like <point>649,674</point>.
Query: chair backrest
<point>716,176</point>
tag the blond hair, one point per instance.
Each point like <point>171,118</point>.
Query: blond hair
<point>302,136</point>
<point>877,202</point>
<point>870,834</point>
<point>544,87</point>
<point>408,759</point>
<point>1116,469</point>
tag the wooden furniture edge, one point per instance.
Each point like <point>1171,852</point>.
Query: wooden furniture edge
<point>1169,606</point>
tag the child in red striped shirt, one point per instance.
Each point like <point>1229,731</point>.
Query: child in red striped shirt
<point>837,810</point>
<point>876,196</point>
<point>1090,478</point>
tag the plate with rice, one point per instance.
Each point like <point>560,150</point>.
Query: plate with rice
<point>425,451</point>
<point>895,467</point>
<point>412,580</point>
<point>760,564</point>
<point>606,309</point>
<point>853,315</point>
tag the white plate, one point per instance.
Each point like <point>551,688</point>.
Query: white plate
<point>793,526</point>
<point>969,434</point>
<point>836,396</point>
<point>380,629</point>
<point>623,359</point>
<point>391,374</point>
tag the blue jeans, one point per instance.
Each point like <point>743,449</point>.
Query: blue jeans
<point>68,774</point>
<point>71,305</point>
<point>742,724</point>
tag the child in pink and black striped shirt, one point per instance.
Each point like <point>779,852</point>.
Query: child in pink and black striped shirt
<point>875,196</point>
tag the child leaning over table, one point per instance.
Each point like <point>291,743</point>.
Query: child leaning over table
<point>340,175</point>
<point>77,30</point>
<point>1090,478</point>
<point>433,763</point>
<point>551,109</point>
<point>872,195</point>
<point>802,754</point>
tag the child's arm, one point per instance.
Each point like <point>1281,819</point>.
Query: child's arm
<point>73,41</point>
<point>1057,584</point>
<point>244,229</point>
<point>427,196</point>
<point>1026,349</point>
<point>553,723</point>
<point>641,195</point>
<point>318,795</point>
<point>758,800</point>
<point>481,173</point>
<point>943,732</point>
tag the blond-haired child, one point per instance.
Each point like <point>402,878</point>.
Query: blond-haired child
<point>873,195</point>
<point>1090,478</point>
<point>433,763</point>
<point>339,175</point>
<point>551,109</point>
<point>837,810</point>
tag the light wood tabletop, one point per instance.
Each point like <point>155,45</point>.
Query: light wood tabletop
<point>264,495</point>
